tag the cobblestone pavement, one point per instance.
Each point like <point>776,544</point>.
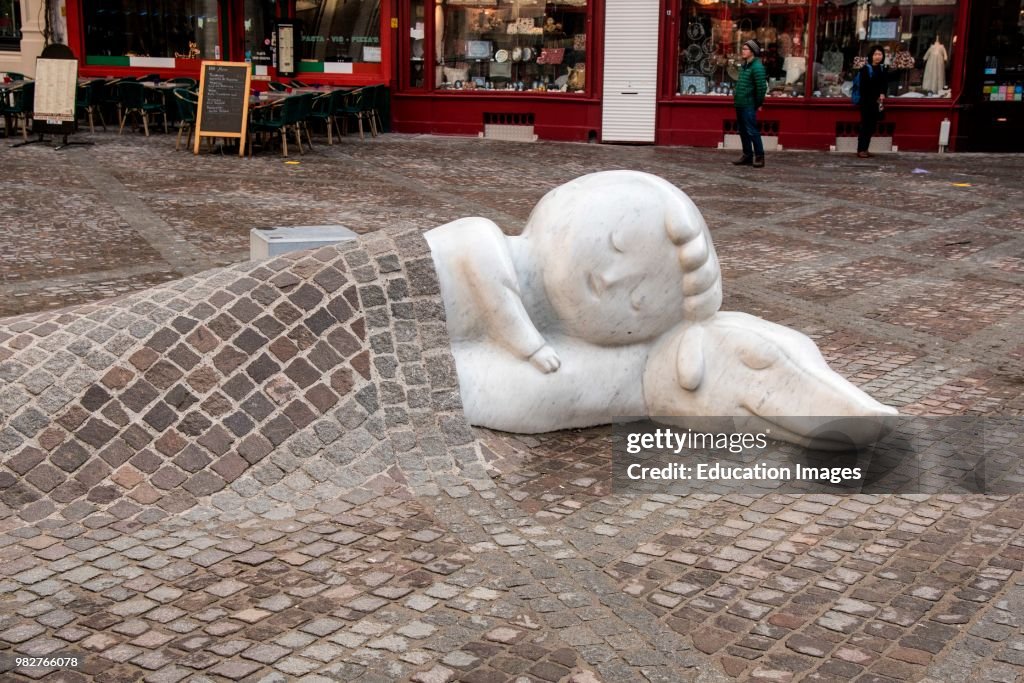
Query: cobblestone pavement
<point>909,282</point>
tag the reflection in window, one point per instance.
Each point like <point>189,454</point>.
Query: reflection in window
<point>10,24</point>
<point>511,45</point>
<point>916,37</point>
<point>152,28</point>
<point>259,25</point>
<point>340,30</point>
<point>711,34</point>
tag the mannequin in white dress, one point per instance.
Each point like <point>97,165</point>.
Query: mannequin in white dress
<point>935,67</point>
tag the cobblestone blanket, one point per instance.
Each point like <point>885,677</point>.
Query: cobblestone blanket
<point>217,385</point>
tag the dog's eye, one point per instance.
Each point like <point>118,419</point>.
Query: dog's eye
<point>759,357</point>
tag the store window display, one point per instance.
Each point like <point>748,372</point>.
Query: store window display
<point>340,30</point>
<point>712,33</point>
<point>915,34</point>
<point>417,44</point>
<point>152,28</point>
<point>10,24</point>
<point>511,45</point>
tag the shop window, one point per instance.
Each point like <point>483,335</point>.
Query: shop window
<point>152,28</point>
<point>259,28</point>
<point>340,30</point>
<point>915,34</point>
<point>712,32</point>
<point>518,45</point>
<point>1003,49</point>
<point>417,45</point>
<point>10,25</point>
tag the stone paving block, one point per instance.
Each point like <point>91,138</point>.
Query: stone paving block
<point>777,579</point>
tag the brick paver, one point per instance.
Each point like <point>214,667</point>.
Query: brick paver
<point>198,509</point>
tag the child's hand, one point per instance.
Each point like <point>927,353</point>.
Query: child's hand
<point>546,360</point>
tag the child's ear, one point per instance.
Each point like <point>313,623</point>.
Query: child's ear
<point>690,358</point>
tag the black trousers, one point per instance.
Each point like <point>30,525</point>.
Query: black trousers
<point>869,118</point>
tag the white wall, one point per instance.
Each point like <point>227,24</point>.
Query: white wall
<point>32,23</point>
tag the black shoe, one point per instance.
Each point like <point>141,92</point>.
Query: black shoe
<point>758,162</point>
<point>743,161</point>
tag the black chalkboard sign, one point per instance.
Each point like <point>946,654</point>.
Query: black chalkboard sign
<point>223,109</point>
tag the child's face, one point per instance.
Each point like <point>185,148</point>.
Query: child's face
<point>618,281</point>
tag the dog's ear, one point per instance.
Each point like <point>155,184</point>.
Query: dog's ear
<point>690,358</point>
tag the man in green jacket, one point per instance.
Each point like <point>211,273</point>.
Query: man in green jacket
<point>748,96</point>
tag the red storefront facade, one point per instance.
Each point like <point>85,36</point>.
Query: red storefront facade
<point>345,43</point>
<point>454,67</point>
<point>811,51</point>
<point>519,63</point>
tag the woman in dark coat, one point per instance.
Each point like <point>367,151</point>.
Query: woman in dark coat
<point>873,79</point>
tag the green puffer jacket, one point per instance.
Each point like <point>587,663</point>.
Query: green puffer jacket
<point>751,85</point>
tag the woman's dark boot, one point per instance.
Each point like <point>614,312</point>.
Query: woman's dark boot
<point>758,162</point>
<point>743,161</point>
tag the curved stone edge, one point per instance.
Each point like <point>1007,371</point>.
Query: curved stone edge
<point>281,381</point>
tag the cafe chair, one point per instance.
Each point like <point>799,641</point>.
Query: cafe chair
<point>112,94</point>
<point>14,76</point>
<point>188,103</point>
<point>89,102</point>
<point>298,84</point>
<point>281,118</point>
<point>277,87</point>
<point>380,93</point>
<point>132,97</point>
<point>305,112</point>
<point>152,78</point>
<point>21,106</point>
<point>325,108</point>
<point>355,106</point>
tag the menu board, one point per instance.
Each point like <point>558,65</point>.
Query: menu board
<point>55,84</point>
<point>223,109</point>
<point>286,49</point>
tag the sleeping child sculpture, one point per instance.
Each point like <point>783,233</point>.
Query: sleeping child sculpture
<point>608,306</point>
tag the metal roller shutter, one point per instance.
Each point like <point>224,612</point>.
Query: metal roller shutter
<point>630,71</point>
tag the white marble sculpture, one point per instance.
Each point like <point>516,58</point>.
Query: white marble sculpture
<point>583,318</point>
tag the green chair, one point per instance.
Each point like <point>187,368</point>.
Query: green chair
<point>281,118</point>
<point>187,83</point>
<point>325,108</point>
<point>21,106</point>
<point>305,111</point>
<point>188,103</point>
<point>354,106</point>
<point>89,102</point>
<point>380,94</point>
<point>132,96</point>
<point>14,76</point>
<point>112,97</point>
<point>277,87</point>
<point>298,84</point>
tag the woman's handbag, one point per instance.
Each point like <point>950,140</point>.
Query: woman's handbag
<point>903,60</point>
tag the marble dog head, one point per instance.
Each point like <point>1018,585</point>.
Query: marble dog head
<point>622,256</point>
<point>734,364</point>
